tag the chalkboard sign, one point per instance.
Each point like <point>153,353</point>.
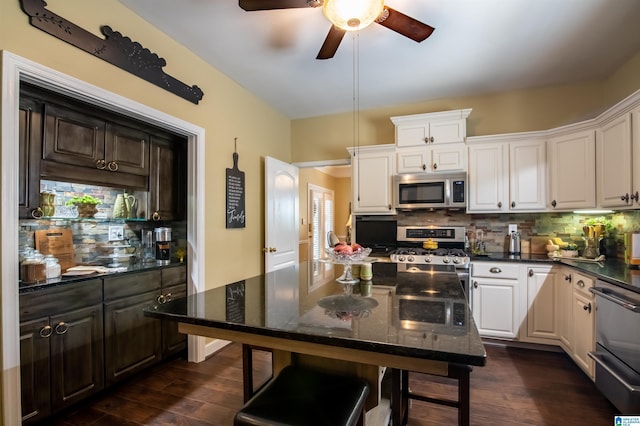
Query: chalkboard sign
<point>235,302</point>
<point>235,196</point>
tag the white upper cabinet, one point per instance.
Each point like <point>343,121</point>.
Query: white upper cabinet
<point>431,143</point>
<point>372,170</point>
<point>635,121</point>
<point>571,160</point>
<point>507,173</point>
<point>614,163</point>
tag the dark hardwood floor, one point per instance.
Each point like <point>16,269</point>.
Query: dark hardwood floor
<point>516,387</point>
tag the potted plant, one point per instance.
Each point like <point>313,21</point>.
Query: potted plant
<point>85,204</point>
<point>569,250</point>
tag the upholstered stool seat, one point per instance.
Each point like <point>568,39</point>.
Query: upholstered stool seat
<point>305,397</point>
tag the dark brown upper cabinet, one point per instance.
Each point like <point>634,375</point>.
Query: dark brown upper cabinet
<point>30,145</point>
<point>85,148</point>
<point>167,180</point>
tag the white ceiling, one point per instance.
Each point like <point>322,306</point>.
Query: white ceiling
<point>478,47</point>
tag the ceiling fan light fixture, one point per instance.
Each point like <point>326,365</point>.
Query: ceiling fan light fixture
<point>352,15</point>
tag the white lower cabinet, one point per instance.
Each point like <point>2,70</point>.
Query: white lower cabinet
<point>495,296</point>
<point>543,299</point>
<point>583,308</point>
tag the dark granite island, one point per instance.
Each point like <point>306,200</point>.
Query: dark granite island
<point>413,320</point>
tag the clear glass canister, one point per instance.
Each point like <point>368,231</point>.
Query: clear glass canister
<point>53,269</point>
<point>33,268</point>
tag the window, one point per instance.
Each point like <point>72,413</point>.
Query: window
<point>321,214</point>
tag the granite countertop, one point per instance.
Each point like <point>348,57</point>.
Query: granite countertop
<point>132,268</point>
<point>613,271</point>
<point>280,305</point>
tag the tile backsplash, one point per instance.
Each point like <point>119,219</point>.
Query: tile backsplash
<point>90,234</point>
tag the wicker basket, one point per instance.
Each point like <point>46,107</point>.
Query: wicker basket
<point>86,210</point>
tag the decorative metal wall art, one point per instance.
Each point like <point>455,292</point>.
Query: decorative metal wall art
<point>235,194</point>
<point>116,49</point>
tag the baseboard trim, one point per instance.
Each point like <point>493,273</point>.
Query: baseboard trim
<point>521,345</point>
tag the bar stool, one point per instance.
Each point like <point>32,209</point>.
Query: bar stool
<point>401,394</point>
<point>305,397</point>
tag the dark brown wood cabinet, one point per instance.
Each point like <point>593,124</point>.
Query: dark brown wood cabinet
<point>83,147</point>
<point>30,145</point>
<point>174,286</point>
<point>167,179</point>
<point>61,347</point>
<point>132,341</point>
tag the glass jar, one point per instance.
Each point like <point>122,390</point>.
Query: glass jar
<point>33,268</point>
<point>53,269</point>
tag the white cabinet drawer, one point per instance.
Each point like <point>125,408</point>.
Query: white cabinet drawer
<point>495,270</point>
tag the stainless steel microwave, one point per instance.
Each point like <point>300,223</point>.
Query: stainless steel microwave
<point>435,191</point>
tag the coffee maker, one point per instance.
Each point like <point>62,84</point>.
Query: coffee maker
<point>163,245</point>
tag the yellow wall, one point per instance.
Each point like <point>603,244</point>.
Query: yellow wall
<point>226,111</point>
<point>326,137</point>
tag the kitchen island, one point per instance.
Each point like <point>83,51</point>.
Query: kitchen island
<point>412,321</point>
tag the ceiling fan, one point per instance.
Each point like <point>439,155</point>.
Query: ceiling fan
<point>372,11</point>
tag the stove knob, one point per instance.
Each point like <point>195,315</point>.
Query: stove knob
<point>446,259</point>
<point>400,258</point>
<point>428,259</point>
<point>410,259</point>
<point>456,260</point>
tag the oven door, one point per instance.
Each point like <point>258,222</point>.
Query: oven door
<point>617,355</point>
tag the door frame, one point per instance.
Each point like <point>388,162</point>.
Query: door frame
<point>14,70</point>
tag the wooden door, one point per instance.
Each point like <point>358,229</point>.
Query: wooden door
<point>73,137</point>
<point>172,340</point>
<point>77,356</point>
<point>132,341</point>
<point>128,148</point>
<point>30,131</point>
<point>571,160</point>
<point>35,377</point>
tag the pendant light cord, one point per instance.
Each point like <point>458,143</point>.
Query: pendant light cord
<point>356,103</point>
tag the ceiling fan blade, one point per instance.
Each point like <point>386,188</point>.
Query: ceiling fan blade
<point>405,25</point>
<point>331,43</point>
<point>251,5</point>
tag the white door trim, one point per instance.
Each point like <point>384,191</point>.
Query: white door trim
<point>15,69</point>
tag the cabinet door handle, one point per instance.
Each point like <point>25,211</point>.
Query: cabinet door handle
<point>587,307</point>
<point>580,283</point>
<point>168,297</point>
<point>112,166</point>
<point>389,206</point>
<point>495,270</point>
<point>37,213</point>
<point>500,204</point>
<point>475,284</point>
<point>625,197</point>
<point>161,299</point>
<point>513,204</point>
<point>553,203</point>
<point>530,272</point>
<point>101,164</point>
<point>62,327</point>
<point>435,166</point>
<point>46,331</point>
<point>635,197</point>
<point>431,139</point>
<point>567,278</point>
<point>155,216</point>
<point>424,167</point>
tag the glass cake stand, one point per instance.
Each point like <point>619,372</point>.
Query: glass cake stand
<point>347,280</point>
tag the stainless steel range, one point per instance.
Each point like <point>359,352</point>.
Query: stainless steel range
<point>411,256</point>
<point>449,241</point>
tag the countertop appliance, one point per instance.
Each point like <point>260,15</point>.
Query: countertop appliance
<point>617,354</point>
<point>436,191</point>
